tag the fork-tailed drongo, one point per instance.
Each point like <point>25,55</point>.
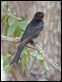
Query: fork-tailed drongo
<point>33,29</point>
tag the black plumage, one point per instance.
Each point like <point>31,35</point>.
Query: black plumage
<point>32,30</point>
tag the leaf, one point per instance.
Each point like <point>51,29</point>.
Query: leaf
<point>3,4</point>
<point>46,66</point>
<point>10,26</point>
<point>23,25</point>
<point>11,29</point>
<point>24,60</point>
<point>14,16</point>
<point>18,32</point>
<point>39,57</point>
<point>41,62</point>
<point>34,53</point>
<point>11,21</point>
<point>6,59</point>
<point>7,26</point>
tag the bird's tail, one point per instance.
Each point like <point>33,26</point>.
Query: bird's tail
<point>18,53</point>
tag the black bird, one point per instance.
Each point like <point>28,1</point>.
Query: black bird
<point>33,29</point>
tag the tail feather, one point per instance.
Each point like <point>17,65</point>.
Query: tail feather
<point>17,56</point>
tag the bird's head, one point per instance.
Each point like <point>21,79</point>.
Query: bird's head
<point>39,15</point>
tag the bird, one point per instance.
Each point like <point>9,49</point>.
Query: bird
<point>32,31</point>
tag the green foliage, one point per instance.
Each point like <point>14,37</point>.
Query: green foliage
<point>11,29</point>
<point>13,22</point>
<point>14,16</point>
<point>6,59</point>
<point>4,5</point>
<point>23,25</point>
<point>18,32</point>
<point>35,54</point>
<point>46,66</point>
<point>25,58</point>
<point>8,69</point>
<point>15,26</point>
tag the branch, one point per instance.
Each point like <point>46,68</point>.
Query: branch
<point>36,47</point>
<point>47,59</point>
<point>10,39</point>
<point>16,40</point>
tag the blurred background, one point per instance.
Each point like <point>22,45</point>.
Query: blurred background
<point>49,39</point>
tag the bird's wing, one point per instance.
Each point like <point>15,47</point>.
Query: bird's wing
<point>32,29</point>
<point>31,32</point>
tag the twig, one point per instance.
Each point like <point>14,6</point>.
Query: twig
<point>36,47</point>
<point>16,40</point>
<point>10,39</point>
<point>47,59</point>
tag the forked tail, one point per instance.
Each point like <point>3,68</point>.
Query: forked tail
<point>18,53</point>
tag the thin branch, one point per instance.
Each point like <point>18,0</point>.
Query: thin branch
<point>16,40</point>
<point>47,59</point>
<point>36,47</point>
<point>10,39</point>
